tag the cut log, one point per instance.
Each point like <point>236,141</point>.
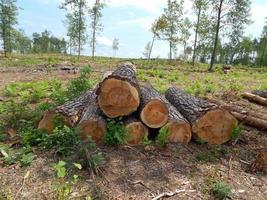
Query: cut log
<point>179,129</point>
<point>153,109</point>
<point>93,123</point>
<point>136,131</point>
<point>70,112</point>
<point>118,94</point>
<point>255,98</point>
<point>209,123</point>
<point>248,117</point>
<point>261,93</point>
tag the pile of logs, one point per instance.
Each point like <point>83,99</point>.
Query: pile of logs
<point>143,110</point>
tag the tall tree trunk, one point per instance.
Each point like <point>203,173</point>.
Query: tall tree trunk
<point>196,34</point>
<point>79,32</point>
<point>216,36</point>
<point>170,50</point>
<point>151,47</point>
<point>264,49</point>
<point>94,29</point>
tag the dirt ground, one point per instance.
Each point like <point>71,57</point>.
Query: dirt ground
<point>142,172</point>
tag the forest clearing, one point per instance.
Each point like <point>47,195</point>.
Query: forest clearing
<point>126,172</point>
<point>133,100</point>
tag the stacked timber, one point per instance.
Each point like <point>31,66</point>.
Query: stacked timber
<point>209,123</point>
<point>143,110</point>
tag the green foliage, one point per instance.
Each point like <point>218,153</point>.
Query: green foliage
<point>212,154</point>
<point>146,141</point>
<point>22,155</point>
<point>116,132</point>
<point>26,159</point>
<point>236,133</point>
<point>81,84</point>
<point>220,190</point>
<point>63,139</point>
<point>163,135</point>
<point>60,169</point>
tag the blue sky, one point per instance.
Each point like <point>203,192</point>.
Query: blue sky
<point>128,20</point>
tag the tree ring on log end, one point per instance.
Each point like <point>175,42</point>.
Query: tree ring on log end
<point>179,132</point>
<point>155,114</point>
<point>214,127</point>
<point>118,98</point>
<point>136,132</point>
<point>94,128</point>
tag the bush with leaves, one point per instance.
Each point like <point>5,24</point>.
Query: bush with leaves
<point>79,85</point>
<point>116,132</point>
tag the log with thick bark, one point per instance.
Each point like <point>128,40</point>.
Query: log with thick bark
<point>244,115</point>
<point>70,112</point>
<point>179,129</point>
<point>136,130</point>
<point>255,98</point>
<point>153,109</point>
<point>118,94</point>
<point>93,123</point>
<point>261,93</point>
<point>209,123</point>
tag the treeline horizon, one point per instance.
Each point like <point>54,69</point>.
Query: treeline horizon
<point>217,21</point>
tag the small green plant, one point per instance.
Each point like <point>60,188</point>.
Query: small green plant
<point>27,159</point>
<point>237,132</point>
<point>81,84</point>
<point>116,132</point>
<point>60,169</point>
<point>146,141</point>
<point>212,154</point>
<point>220,190</point>
<point>163,135</point>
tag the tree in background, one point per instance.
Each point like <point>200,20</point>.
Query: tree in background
<point>8,18</point>
<point>47,43</point>
<point>76,23</point>
<point>262,49</point>
<point>155,29</point>
<point>147,50</point>
<point>228,14</point>
<point>21,43</point>
<point>171,23</point>
<point>185,35</point>
<point>96,26</point>
<point>115,46</point>
<point>199,7</point>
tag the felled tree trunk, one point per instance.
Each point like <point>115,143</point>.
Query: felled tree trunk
<point>209,123</point>
<point>255,98</point>
<point>70,112</point>
<point>118,94</point>
<point>153,109</point>
<point>261,93</point>
<point>179,129</point>
<point>245,116</point>
<point>93,123</point>
<point>136,130</point>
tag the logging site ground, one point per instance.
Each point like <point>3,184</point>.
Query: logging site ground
<point>35,166</point>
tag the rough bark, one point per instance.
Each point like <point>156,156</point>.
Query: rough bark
<point>136,130</point>
<point>245,115</point>
<point>179,129</point>
<point>93,123</point>
<point>70,112</point>
<point>153,110</point>
<point>209,122</point>
<point>255,98</point>
<point>119,94</point>
<point>261,93</point>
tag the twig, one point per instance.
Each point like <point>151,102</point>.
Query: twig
<point>230,167</point>
<point>141,183</point>
<point>170,194</point>
<point>245,162</point>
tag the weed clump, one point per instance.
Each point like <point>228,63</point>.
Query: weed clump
<point>220,190</point>
<point>116,132</point>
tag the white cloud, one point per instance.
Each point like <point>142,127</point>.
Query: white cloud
<point>103,40</point>
<point>144,22</point>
